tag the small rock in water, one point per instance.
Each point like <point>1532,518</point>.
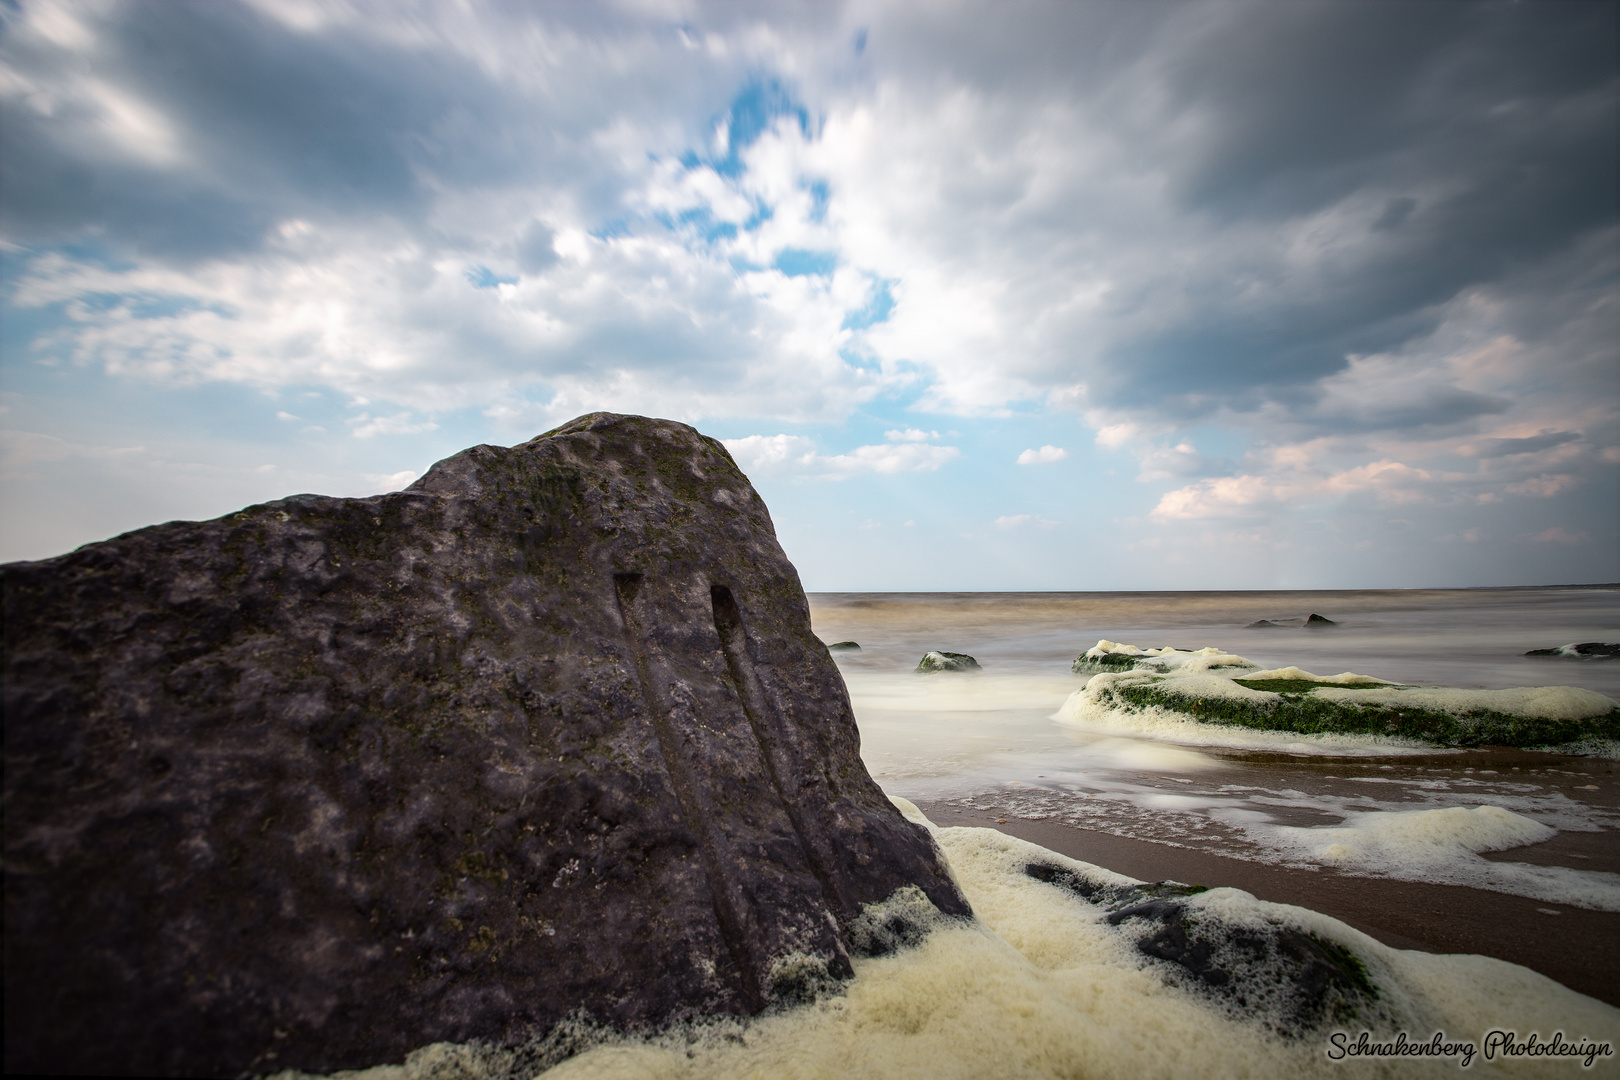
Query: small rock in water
<point>1263,624</point>
<point>1317,620</point>
<point>844,646</point>
<point>1586,650</point>
<point>946,661</point>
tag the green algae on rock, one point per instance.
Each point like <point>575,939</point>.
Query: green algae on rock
<point>1209,687</point>
<point>936,661</point>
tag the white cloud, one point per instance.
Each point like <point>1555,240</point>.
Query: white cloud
<point>391,481</point>
<point>1081,210</point>
<point>1542,487</point>
<point>1044,456</point>
<point>1560,535</point>
<point>366,426</point>
<point>794,454</point>
<point>1024,521</point>
<point>1390,481</point>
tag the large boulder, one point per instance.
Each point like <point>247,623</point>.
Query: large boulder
<point>544,737</point>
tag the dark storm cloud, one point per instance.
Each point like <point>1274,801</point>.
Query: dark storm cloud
<point>337,124</point>
<point>1533,444</point>
<point>274,123</point>
<point>1475,140</point>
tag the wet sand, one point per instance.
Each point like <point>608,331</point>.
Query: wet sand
<point>1578,948</point>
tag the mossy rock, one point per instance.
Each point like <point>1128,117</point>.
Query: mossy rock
<point>937,661</point>
<point>1303,712</point>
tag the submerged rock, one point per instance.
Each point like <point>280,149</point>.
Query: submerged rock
<point>946,661</point>
<point>1311,621</point>
<point>844,646</point>
<point>545,736</point>
<point>1586,650</point>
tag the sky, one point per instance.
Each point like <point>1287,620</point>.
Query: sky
<point>1010,296</point>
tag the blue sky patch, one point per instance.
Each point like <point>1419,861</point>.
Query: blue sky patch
<point>753,111</point>
<point>877,310</point>
<point>796,262</point>
<point>482,277</point>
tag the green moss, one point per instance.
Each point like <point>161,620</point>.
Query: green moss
<point>1309,715</point>
<point>1350,963</point>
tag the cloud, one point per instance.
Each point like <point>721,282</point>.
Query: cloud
<point>1044,456</point>
<point>1560,535</point>
<point>796,455</point>
<point>1365,250</point>
<point>366,426</point>
<point>385,483</point>
<point>1542,487</point>
<point>1024,521</point>
<point>1530,444</point>
<point>1389,481</point>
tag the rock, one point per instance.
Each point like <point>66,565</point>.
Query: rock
<point>1095,665</point>
<point>844,646</point>
<point>946,661</point>
<point>1588,650</point>
<point>546,735</point>
<point>1264,624</point>
<point>1294,980</point>
<point>1318,621</point>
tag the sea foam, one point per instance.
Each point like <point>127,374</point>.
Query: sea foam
<point>1039,985</point>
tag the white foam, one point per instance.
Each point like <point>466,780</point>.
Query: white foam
<point>1344,678</point>
<point>1041,986</point>
<point>1443,845</point>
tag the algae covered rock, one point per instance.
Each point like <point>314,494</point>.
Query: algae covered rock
<point>1208,686</point>
<point>935,661</point>
<point>546,736</point>
<point>1586,650</point>
<point>844,646</point>
<point>1306,980</point>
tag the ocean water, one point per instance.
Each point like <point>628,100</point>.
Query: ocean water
<point>1001,737</point>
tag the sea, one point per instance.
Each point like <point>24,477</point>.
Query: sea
<point>1043,984</point>
<point>995,737</point>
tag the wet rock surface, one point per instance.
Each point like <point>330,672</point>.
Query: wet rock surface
<point>935,661</point>
<point>1292,978</point>
<point>1586,650</point>
<point>545,735</point>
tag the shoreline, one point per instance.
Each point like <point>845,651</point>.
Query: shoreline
<point>1575,947</point>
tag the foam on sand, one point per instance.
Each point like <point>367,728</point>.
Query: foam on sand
<point>1040,985</point>
<point>1443,845</point>
<point>1043,983</point>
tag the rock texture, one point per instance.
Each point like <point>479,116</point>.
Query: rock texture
<point>936,661</point>
<point>328,779</point>
<point>1586,650</point>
